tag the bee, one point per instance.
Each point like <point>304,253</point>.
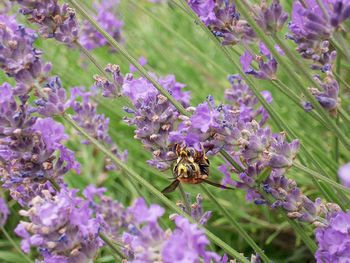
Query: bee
<point>192,167</point>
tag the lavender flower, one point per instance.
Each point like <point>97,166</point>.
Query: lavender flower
<point>61,226</point>
<point>154,116</point>
<point>267,69</point>
<point>5,6</point>
<point>151,244</point>
<point>197,212</point>
<point>18,57</point>
<point>224,20</point>
<point>344,174</point>
<point>53,20</point>
<point>334,240</point>
<point>311,28</point>
<point>271,19</point>
<point>29,147</point>
<point>328,98</point>
<point>113,216</point>
<point>4,212</point>
<point>109,19</point>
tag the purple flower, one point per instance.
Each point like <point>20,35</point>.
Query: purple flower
<point>154,116</point>
<point>187,244</point>
<point>197,212</point>
<point>4,212</point>
<point>53,20</point>
<point>144,214</point>
<point>18,58</point>
<point>334,240</point>
<point>344,174</point>
<point>61,226</point>
<point>109,19</point>
<point>204,9</point>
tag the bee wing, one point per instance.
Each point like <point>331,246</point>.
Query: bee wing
<point>171,187</point>
<point>216,185</point>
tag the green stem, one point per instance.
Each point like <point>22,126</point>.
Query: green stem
<point>232,161</point>
<point>339,42</point>
<point>125,54</point>
<point>322,178</point>
<point>152,189</point>
<point>185,199</point>
<point>340,79</point>
<point>344,116</point>
<point>236,225</point>
<point>116,249</point>
<point>13,243</point>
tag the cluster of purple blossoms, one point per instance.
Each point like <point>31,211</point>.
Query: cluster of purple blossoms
<point>150,243</point>
<point>61,226</point>
<point>267,69</point>
<point>154,116</point>
<point>197,212</point>
<point>109,19</point>
<point>225,21</point>
<point>4,212</point>
<point>29,148</point>
<point>113,216</point>
<point>53,20</point>
<point>311,27</point>
<point>334,239</point>
<point>18,58</point>
<point>328,97</point>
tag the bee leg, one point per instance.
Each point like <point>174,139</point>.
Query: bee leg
<point>216,185</point>
<point>171,187</point>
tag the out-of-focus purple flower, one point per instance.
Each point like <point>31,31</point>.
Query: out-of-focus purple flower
<point>109,19</point>
<point>204,9</point>
<point>340,12</point>
<point>52,19</point>
<point>154,115</point>
<point>344,174</point>
<point>4,212</point>
<point>187,244</point>
<point>197,212</point>
<point>61,226</point>
<point>18,58</point>
<point>5,6</point>
<point>93,123</point>
<point>334,240</point>
<point>150,243</point>
<point>271,19</point>
<point>113,216</point>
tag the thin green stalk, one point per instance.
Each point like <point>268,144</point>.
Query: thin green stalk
<point>187,43</point>
<point>185,199</point>
<point>236,225</point>
<point>13,243</point>
<point>343,114</point>
<point>321,177</point>
<point>340,79</point>
<point>341,45</point>
<point>152,189</point>
<point>232,161</point>
<point>125,54</point>
<point>116,249</point>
